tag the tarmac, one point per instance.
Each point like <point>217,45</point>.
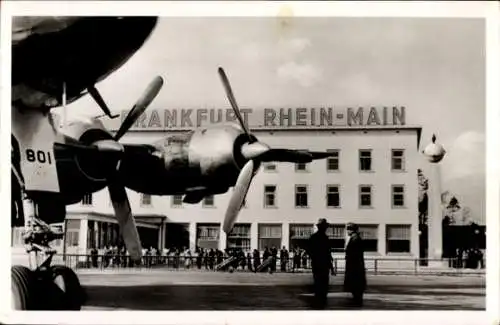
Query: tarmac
<point>160,289</point>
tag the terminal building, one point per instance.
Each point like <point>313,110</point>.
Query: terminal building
<point>370,180</point>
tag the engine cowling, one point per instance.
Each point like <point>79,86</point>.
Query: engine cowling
<point>216,152</point>
<point>96,167</point>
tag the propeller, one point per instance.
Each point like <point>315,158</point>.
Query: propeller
<point>256,152</point>
<point>117,192</point>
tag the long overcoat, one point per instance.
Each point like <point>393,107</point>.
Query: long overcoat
<point>355,274</point>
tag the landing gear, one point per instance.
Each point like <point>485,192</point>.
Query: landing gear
<point>42,286</point>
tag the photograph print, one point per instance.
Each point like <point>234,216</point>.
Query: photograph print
<point>248,163</point>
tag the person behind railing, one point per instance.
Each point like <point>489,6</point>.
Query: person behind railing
<point>355,274</point>
<point>187,259</point>
<point>205,257</point>
<point>305,258</point>
<point>274,255</point>
<point>220,256</point>
<point>211,259</point>
<point>284,256</point>
<point>480,257</point>
<point>93,256</point>
<point>115,256</point>
<point>123,256</point>
<point>256,260</point>
<point>242,259</point>
<point>108,254</point>
<point>296,258</point>
<point>199,257</point>
<point>266,254</point>
<point>177,258</point>
<point>249,261</point>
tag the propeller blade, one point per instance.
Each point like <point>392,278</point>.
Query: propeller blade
<point>126,221</point>
<point>239,194</point>
<point>140,106</point>
<point>232,100</point>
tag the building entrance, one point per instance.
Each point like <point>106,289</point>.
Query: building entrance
<point>177,235</point>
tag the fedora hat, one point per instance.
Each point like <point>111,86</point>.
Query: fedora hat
<point>352,226</point>
<point>322,222</point>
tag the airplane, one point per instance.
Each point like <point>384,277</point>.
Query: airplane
<point>56,61</point>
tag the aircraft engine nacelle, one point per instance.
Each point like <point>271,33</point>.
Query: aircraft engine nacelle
<point>95,167</point>
<point>216,152</point>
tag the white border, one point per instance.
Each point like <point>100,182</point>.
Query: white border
<point>485,9</point>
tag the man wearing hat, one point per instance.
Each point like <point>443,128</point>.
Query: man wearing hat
<point>355,276</point>
<point>318,249</point>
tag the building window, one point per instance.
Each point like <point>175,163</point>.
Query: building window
<point>207,235</point>
<point>397,160</point>
<point>269,166</point>
<point>365,160</point>
<point>87,199</point>
<point>208,201</point>
<point>301,196</point>
<point>177,200</point>
<point>337,235</point>
<point>332,163</point>
<point>239,237</point>
<point>398,196</point>
<point>332,196</point>
<point>269,196</point>
<point>72,238</point>
<point>398,238</point>
<point>365,196</point>
<point>269,236</point>
<point>299,235</point>
<point>145,199</point>
<point>369,234</point>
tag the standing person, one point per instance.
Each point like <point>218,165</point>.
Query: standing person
<point>296,259</point>
<point>256,260</point>
<point>283,259</point>
<point>355,275</point>
<point>318,249</point>
<point>249,261</point>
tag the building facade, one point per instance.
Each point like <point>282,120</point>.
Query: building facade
<point>370,180</point>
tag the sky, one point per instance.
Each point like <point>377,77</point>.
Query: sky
<point>435,67</point>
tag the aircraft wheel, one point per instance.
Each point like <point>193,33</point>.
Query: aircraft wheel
<point>23,287</point>
<point>71,294</point>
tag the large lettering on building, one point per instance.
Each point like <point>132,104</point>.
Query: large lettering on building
<point>300,117</point>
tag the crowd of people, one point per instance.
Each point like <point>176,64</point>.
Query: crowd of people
<point>203,258</point>
<point>471,258</point>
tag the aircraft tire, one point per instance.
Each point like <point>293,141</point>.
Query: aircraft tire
<point>24,288</point>
<point>71,294</point>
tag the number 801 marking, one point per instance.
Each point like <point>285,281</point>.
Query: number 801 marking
<point>40,156</point>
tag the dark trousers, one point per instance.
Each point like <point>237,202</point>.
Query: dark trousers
<point>357,298</point>
<point>321,281</point>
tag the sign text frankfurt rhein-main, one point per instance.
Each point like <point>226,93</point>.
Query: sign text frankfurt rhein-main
<point>171,119</point>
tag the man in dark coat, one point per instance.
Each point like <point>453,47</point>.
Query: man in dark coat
<point>355,275</point>
<point>318,249</point>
